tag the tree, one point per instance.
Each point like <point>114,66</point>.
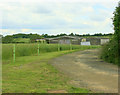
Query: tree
<point>7,39</point>
<point>111,51</point>
<point>62,34</point>
<point>33,37</point>
<point>45,35</point>
<point>116,23</point>
<point>71,34</point>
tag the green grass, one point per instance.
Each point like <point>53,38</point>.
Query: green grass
<point>33,74</point>
<point>32,49</point>
<point>22,40</point>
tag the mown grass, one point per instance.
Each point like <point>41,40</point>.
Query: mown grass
<point>33,74</point>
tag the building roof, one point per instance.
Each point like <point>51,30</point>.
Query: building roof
<point>98,38</point>
<point>74,37</point>
<point>61,37</point>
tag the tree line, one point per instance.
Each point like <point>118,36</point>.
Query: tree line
<point>33,37</point>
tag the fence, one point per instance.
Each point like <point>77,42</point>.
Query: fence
<point>11,51</point>
<point>16,50</point>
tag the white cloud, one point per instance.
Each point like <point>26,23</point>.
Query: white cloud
<point>71,1</point>
<point>53,18</point>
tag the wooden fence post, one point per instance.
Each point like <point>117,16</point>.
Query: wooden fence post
<point>14,53</point>
<point>70,44</point>
<point>42,42</point>
<point>58,47</point>
<point>38,49</point>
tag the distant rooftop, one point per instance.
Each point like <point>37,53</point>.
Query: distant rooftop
<point>71,37</point>
<point>74,37</point>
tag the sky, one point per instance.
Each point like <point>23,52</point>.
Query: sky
<point>52,17</point>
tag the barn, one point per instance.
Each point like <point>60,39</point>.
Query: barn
<point>64,40</point>
<point>75,40</point>
<point>94,41</point>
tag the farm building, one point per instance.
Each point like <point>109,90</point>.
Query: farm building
<point>40,40</point>
<point>94,41</point>
<point>77,40</point>
<point>64,40</point>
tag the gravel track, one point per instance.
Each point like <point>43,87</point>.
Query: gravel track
<point>86,70</point>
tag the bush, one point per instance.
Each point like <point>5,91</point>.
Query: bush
<point>111,51</point>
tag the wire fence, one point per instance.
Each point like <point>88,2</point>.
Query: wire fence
<point>11,51</point>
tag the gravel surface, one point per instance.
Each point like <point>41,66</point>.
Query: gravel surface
<point>86,70</point>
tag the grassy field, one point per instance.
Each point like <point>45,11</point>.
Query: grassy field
<point>24,40</point>
<point>32,49</point>
<point>33,74</point>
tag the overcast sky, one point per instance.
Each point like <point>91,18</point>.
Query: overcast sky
<point>57,17</point>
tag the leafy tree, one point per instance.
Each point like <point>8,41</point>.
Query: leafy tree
<point>71,34</point>
<point>63,34</point>
<point>111,51</point>
<point>46,35</point>
<point>116,23</point>
<point>20,35</point>
<point>7,39</point>
<point>33,37</point>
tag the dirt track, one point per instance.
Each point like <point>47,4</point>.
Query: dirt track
<point>86,70</point>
